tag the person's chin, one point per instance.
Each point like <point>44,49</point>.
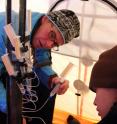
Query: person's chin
<point>99,114</point>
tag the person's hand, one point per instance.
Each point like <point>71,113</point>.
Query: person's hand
<point>63,87</point>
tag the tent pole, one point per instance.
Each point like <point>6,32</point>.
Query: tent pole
<point>13,94</point>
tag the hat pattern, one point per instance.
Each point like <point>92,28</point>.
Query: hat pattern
<point>67,23</point>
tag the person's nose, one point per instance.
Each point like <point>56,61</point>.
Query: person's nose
<point>49,44</point>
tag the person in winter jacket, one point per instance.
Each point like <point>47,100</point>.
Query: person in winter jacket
<point>103,82</point>
<point>48,30</point>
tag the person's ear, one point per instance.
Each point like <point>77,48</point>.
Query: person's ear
<point>44,19</point>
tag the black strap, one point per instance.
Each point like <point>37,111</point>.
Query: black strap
<point>45,63</point>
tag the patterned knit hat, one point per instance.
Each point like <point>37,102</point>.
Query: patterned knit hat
<point>67,23</point>
<point>104,72</point>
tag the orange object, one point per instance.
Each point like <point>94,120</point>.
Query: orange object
<point>60,117</point>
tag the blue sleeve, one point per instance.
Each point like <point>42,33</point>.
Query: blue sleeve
<point>2,38</point>
<point>45,72</point>
<point>3,105</point>
<point>2,50</point>
<point>3,41</point>
<point>35,17</point>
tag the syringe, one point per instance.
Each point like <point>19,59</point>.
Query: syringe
<point>56,88</point>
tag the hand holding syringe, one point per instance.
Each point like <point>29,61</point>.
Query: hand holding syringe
<point>62,82</point>
<point>56,88</point>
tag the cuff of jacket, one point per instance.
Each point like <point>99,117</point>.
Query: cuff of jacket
<point>50,80</point>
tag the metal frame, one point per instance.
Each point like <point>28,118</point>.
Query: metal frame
<point>14,96</point>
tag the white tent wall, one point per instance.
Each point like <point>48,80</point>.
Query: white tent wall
<point>70,102</point>
<point>98,33</point>
<point>98,27</point>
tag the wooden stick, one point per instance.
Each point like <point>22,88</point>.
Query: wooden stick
<point>10,33</point>
<point>17,47</point>
<point>8,65</point>
<point>66,70</point>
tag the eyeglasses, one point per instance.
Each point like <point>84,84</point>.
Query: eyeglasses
<point>52,37</point>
